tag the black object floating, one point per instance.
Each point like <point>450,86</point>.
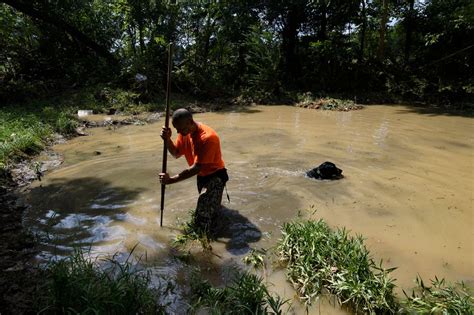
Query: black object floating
<point>327,170</point>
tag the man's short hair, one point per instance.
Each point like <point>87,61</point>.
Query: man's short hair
<point>182,114</point>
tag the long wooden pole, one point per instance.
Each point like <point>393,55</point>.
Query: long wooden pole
<point>167,122</point>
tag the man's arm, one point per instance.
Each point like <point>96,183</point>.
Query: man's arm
<point>166,136</point>
<point>172,148</point>
<point>187,173</point>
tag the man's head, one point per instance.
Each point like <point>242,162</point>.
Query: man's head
<point>182,120</point>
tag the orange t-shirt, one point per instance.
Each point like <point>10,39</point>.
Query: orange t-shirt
<point>201,147</point>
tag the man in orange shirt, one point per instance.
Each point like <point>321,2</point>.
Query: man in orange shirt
<point>201,147</point>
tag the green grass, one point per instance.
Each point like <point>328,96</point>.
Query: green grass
<point>25,131</point>
<point>439,298</point>
<point>255,259</point>
<point>25,128</point>
<point>246,295</point>
<point>192,235</point>
<point>79,285</point>
<point>21,135</point>
<point>318,258</point>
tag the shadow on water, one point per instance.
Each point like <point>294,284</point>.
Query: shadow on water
<point>242,109</point>
<point>432,110</point>
<point>78,212</point>
<point>239,231</point>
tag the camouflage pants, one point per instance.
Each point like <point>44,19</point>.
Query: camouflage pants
<point>209,203</point>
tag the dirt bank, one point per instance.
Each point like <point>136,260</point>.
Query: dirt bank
<point>18,276</point>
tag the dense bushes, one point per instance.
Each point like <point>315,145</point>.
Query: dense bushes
<point>264,51</point>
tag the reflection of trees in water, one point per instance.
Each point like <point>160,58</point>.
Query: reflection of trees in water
<point>230,224</point>
<point>65,213</point>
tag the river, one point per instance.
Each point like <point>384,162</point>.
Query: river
<point>408,189</point>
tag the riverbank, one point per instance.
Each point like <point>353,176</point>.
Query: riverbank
<point>18,276</point>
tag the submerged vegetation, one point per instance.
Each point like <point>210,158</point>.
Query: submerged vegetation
<point>80,285</point>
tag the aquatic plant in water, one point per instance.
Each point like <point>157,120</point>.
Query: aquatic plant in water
<point>246,295</point>
<point>439,298</point>
<point>318,258</point>
<point>256,258</point>
<point>192,234</point>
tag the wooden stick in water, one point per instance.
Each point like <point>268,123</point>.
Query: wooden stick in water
<point>167,122</point>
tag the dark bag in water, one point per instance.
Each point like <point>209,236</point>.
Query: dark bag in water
<point>327,170</point>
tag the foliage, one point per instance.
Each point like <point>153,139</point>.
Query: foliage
<point>439,298</point>
<point>79,285</point>
<point>262,60</point>
<point>318,258</point>
<point>259,50</point>
<point>246,295</point>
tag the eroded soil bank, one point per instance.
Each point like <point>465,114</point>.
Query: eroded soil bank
<point>18,277</point>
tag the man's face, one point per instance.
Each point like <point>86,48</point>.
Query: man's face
<point>183,126</point>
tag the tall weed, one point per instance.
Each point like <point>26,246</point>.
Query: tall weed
<point>79,285</point>
<point>318,258</point>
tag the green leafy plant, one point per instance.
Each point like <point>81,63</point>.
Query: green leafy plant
<point>80,285</point>
<point>192,235</point>
<point>256,258</point>
<point>439,298</point>
<point>318,258</point>
<point>246,295</point>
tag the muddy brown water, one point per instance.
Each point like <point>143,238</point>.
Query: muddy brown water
<point>408,189</point>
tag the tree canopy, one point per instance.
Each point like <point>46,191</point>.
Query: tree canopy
<point>262,50</point>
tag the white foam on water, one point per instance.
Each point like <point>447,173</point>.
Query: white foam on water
<point>127,217</point>
<point>72,221</point>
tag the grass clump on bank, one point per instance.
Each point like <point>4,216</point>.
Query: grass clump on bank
<point>318,259</point>
<point>246,295</point>
<point>24,131</point>
<point>78,285</point>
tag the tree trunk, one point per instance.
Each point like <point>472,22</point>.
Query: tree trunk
<point>363,31</point>
<point>322,34</point>
<point>131,34</point>
<point>207,37</point>
<point>409,19</point>
<point>289,44</point>
<point>382,30</point>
